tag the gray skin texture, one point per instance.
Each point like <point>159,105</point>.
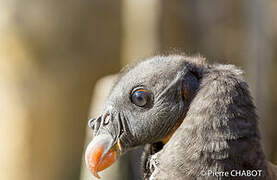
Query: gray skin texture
<point>216,119</point>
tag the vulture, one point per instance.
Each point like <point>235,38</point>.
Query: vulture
<point>196,121</point>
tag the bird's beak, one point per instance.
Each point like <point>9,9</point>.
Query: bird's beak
<point>100,153</point>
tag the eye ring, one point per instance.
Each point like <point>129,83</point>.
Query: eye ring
<point>141,96</point>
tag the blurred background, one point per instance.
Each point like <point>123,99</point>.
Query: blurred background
<point>55,57</point>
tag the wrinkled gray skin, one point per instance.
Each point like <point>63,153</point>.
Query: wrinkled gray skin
<point>218,130</point>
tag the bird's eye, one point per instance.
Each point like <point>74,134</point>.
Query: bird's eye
<point>141,97</point>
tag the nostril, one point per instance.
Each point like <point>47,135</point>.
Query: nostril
<point>106,119</point>
<point>91,123</point>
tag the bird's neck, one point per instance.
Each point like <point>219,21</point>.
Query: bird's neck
<point>234,152</point>
<point>218,147</point>
<point>220,131</point>
<point>221,126</point>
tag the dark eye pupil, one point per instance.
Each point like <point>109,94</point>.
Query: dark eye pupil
<point>140,98</point>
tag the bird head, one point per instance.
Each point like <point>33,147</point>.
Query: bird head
<point>145,106</point>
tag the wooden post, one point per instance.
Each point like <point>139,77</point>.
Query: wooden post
<point>15,128</point>
<point>51,54</point>
<point>258,55</point>
<point>140,29</point>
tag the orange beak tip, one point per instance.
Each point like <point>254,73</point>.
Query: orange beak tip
<point>96,158</point>
<point>96,175</point>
